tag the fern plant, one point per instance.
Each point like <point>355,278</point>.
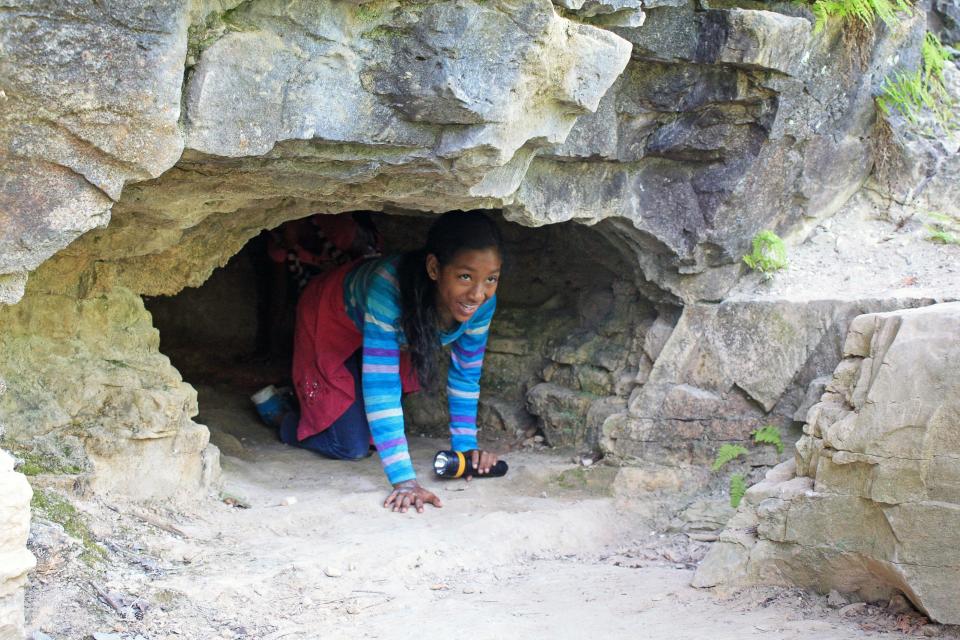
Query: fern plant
<point>726,453</point>
<point>738,487</point>
<point>866,11</point>
<point>768,435</point>
<point>912,93</point>
<point>769,254</point>
<point>943,228</point>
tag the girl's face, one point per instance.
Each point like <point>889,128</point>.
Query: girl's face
<point>469,280</point>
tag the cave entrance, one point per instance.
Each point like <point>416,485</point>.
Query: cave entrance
<point>565,349</point>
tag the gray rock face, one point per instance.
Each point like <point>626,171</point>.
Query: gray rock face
<point>718,127</point>
<point>871,502</point>
<point>728,369</point>
<point>948,11</point>
<point>90,101</point>
<point>90,392</point>
<point>15,560</point>
<point>725,121</point>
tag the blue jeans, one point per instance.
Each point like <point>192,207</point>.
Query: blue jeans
<point>348,438</point>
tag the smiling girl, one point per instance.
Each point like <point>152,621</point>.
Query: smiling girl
<point>369,331</point>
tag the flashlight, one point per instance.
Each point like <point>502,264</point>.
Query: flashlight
<point>456,464</point>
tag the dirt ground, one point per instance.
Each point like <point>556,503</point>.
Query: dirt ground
<point>298,547</point>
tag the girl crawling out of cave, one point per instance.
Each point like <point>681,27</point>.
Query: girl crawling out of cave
<point>371,330</point>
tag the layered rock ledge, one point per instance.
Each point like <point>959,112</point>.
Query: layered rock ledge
<point>870,504</point>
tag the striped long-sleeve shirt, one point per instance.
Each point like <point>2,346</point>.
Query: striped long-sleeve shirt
<point>372,297</point>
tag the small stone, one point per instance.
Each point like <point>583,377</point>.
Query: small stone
<point>543,494</point>
<point>352,566</point>
<point>931,630</point>
<point>354,608</point>
<point>469,590</point>
<point>288,501</point>
<point>439,587</point>
<point>703,536</point>
<point>855,609</point>
<point>538,439</point>
<point>899,604</point>
<point>835,600</point>
<point>332,572</point>
<point>586,461</point>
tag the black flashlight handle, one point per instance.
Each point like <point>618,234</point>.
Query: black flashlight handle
<point>459,465</point>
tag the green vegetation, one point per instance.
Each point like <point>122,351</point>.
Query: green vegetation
<point>866,12</point>
<point>55,508</point>
<point>369,11</point>
<point>34,464</point>
<point>769,254</point>
<point>913,93</point>
<point>738,487</point>
<point>726,453</point>
<point>943,228</point>
<point>768,435</point>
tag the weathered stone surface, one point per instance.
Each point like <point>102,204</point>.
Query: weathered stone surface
<point>89,389</point>
<point>15,560</point>
<point>880,511</point>
<point>948,11</point>
<point>90,101</point>
<point>755,136</point>
<point>457,105</point>
<point>728,369</point>
<point>762,39</point>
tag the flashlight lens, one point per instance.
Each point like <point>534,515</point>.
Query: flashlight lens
<point>440,463</point>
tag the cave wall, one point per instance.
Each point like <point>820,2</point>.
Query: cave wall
<point>90,395</point>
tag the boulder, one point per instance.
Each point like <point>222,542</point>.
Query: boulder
<point>878,512</point>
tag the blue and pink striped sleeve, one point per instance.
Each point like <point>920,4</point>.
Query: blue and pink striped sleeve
<point>463,378</point>
<point>381,375</point>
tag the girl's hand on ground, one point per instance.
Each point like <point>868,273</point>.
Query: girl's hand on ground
<point>482,461</point>
<point>410,494</point>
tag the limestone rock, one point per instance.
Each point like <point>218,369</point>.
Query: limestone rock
<point>293,108</point>
<point>884,473</point>
<point>91,101</point>
<point>15,560</point>
<point>727,369</point>
<point>100,399</point>
<point>754,38</point>
<point>949,13</point>
<point>562,412</point>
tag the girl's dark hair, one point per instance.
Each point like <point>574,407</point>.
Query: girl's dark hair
<point>450,234</point>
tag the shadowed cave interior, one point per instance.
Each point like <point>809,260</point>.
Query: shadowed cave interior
<point>567,336</point>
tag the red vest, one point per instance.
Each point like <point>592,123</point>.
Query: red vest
<point>324,338</point>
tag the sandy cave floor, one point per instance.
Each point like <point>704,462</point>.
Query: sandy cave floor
<point>512,557</point>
